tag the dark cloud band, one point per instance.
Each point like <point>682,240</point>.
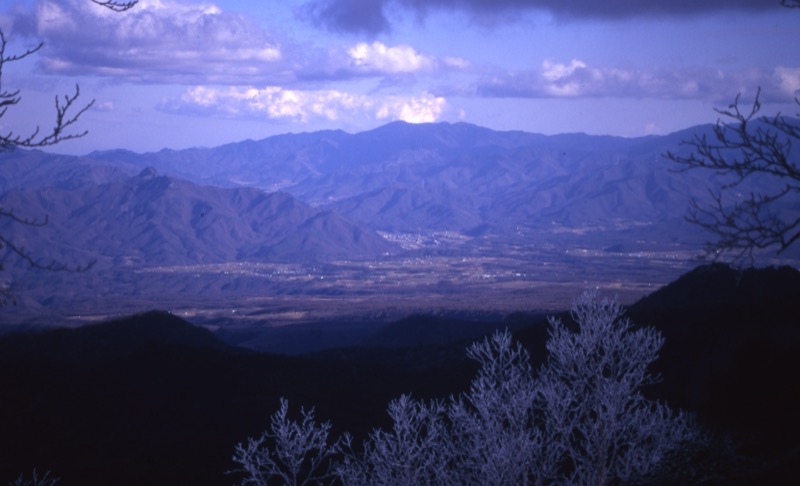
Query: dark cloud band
<point>369,16</point>
<point>362,16</point>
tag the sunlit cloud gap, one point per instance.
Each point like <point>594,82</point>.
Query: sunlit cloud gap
<point>274,102</point>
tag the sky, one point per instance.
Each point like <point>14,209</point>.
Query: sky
<point>185,73</point>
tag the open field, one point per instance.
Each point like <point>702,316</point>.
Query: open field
<point>484,276</point>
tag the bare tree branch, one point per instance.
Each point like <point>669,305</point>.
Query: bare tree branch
<point>745,147</point>
<point>21,253</point>
<point>46,480</point>
<point>7,213</point>
<point>50,265</point>
<point>68,112</point>
<point>10,98</point>
<point>117,6</point>
<point>66,116</point>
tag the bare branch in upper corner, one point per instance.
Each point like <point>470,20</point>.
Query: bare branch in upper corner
<point>66,116</point>
<point>116,5</point>
<point>67,113</point>
<point>743,147</point>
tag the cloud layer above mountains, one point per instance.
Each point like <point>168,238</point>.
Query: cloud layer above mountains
<point>310,64</point>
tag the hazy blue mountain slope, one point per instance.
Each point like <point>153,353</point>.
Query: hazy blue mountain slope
<point>404,177</point>
<point>159,220</point>
<point>270,163</point>
<point>32,169</point>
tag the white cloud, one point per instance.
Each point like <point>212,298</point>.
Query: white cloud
<point>577,79</point>
<point>157,41</point>
<point>424,109</point>
<point>788,80</point>
<point>276,103</point>
<point>378,57</point>
<point>179,42</point>
<point>553,71</point>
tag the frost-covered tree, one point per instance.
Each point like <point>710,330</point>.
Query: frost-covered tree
<point>415,452</point>
<point>581,420</point>
<point>495,440</point>
<point>590,395</point>
<point>289,452</point>
<point>47,479</point>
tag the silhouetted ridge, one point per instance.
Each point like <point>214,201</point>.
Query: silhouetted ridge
<point>720,284</point>
<point>99,342</point>
<point>156,327</point>
<point>145,400</point>
<point>732,338</point>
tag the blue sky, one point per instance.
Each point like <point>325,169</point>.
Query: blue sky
<point>183,73</point>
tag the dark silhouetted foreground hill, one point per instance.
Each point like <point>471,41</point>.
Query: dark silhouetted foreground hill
<point>155,400</point>
<point>110,340</point>
<point>731,354</point>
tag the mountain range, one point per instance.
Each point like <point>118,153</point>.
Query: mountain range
<point>406,177</point>
<point>398,191</point>
<point>157,219</point>
<point>397,178</point>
